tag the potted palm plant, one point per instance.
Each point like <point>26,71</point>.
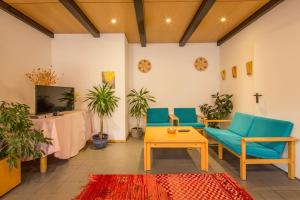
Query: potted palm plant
<point>17,140</point>
<point>139,103</point>
<point>102,100</point>
<point>221,108</point>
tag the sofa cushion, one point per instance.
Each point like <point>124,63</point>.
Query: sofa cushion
<point>194,125</point>
<point>158,115</point>
<point>186,115</point>
<point>216,133</point>
<point>266,127</point>
<point>158,124</point>
<point>233,142</point>
<point>241,124</point>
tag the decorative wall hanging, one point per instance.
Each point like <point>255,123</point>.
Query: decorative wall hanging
<point>201,64</point>
<point>249,68</point>
<point>257,95</point>
<point>144,66</point>
<point>41,76</point>
<point>223,74</point>
<point>108,78</point>
<point>234,71</point>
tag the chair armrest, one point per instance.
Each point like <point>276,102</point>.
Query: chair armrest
<point>217,120</point>
<point>269,139</point>
<point>173,117</point>
<point>206,121</point>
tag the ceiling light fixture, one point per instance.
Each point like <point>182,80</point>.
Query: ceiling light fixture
<point>223,19</point>
<point>113,21</point>
<point>168,20</point>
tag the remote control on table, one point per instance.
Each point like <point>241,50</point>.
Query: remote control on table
<point>183,130</point>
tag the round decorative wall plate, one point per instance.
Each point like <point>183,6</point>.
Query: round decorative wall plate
<point>201,64</point>
<point>144,65</point>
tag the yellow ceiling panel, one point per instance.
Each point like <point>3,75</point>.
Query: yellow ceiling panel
<point>153,1</point>
<point>53,16</point>
<point>212,29</point>
<point>156,12</point>
<point>31,1</point>
<point>104,1</point>
<point>101,15</point>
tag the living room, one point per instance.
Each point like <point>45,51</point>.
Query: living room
<point>238,48</point>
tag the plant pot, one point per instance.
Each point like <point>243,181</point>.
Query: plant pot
<point>100,142</point>
<point>136,132</point>
<point>10,177</point>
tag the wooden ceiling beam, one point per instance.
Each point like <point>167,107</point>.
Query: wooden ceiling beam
<point>80,16</point>
<point>204,8</point>
<point>21,16</point>
<point>139,13</point>
<point>252,18</point>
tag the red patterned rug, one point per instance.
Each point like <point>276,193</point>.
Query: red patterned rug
<point>163,187</point>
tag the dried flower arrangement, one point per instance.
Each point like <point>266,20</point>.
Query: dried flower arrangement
<point>41,76</point>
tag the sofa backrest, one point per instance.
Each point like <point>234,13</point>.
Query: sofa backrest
<point>241,124</point>
<point>157,115</point>
<point>267,127</point>
<point>186,115</point>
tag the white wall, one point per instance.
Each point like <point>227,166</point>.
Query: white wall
<point>82,59</point>
<point>127,88</point>
<point>173,80</point>
<point>272,43</point>
<point>22,49</point>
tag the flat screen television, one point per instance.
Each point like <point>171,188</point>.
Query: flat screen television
<point>53,99</point>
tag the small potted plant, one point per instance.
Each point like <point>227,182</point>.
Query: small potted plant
<point>102,100</point>
<point>17,140</point>
<point>221,108</point>
<point>139,103</point>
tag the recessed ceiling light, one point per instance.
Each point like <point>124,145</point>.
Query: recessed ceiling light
<point>223,19</point>
<point>168,20</point>
<point>114,21</point>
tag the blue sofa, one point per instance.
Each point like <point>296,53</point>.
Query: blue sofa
<point>158,117</point>
<point>259,137</point>
<point>188,117</point>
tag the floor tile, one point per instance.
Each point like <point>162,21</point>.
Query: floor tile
<point>65,178</point>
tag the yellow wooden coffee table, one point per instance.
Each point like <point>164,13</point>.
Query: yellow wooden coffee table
<point>158,137</point>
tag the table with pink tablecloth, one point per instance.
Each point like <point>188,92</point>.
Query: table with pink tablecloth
<point>68,132</point>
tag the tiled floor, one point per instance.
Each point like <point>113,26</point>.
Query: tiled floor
<point>65,178</point>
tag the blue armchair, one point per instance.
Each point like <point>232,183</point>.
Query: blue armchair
<point>188,117</point>
<point>158,117</point>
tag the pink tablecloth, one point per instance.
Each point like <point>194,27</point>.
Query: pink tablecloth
<point>69,133</point>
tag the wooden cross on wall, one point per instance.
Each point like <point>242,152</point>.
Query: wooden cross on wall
<point>257,97</point>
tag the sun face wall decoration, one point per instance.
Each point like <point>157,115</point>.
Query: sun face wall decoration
<point>144,66</point>
<point>201,64</point>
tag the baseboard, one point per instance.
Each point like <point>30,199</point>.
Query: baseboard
<point>119,141</point>
<point>285,171</point>
<point>116,141</point>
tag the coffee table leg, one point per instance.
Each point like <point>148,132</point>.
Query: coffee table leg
<point>204,157</point>
<point>147,157</point>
